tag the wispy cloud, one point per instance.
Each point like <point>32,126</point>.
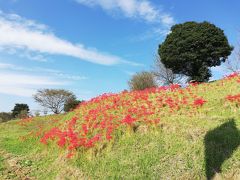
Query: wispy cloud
<point>14,79</point>
<point>157,33</point>
<point>25,84</point>
<point>20,81</point>
<point>129,73</point>
<point>52,72</point>
<point>136,9</point>
<point>23,34</point>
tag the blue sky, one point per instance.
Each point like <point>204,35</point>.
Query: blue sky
<point>91,46</point>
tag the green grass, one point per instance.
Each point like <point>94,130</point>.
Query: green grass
<point>180,147</point>
<point>1,163</point>
<point>168,153</point>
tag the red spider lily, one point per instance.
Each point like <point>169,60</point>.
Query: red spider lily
<point>233,98</point>
<point>25,121</point>
<point>72,122</point>
<point>85,128</point>
<point>173,87</point>
<point>233,75</point>
<point>70,155</point>
<point>62,141</point>
<point>128,120</point>
<point>194,83</point>
<point>93,140</point>
<point>199,102</point>
<point>98,120</point>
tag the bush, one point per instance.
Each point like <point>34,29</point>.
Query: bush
<point>20,110</point>
<point>141,81</point>
<point>23,114</point>
<point>4,117</point>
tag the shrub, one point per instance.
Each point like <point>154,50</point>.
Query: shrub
<point>141,81</point>
<point>23,114</point>
<point>4,117</point>
<point>20,110</point>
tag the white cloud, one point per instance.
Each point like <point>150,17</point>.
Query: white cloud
<point>51,72</point>
<point>71,77</point>
<point>32,56</point>
<point>156,33</point>
<point>6,66</point>
<point>141,10</point>
<point>136,9</point>
<point>24,84</point>
<point>129,73</point>
<point>17,91</point>
<point>19,33</point>
<point>16,79</point>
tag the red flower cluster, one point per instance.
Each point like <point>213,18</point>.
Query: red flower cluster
<point>233,75</point>
<point>199,102</point>
<point>94,123</point>
<point>97,120</point>
<point>128,120</point>
<point>234,98</point>
<point>25,121</point>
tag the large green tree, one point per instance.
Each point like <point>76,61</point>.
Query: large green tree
<point>192,48</point>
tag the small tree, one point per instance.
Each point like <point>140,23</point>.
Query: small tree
<point>141,81</point>
<point>192,48</point>
<point>71,104</point>
<point>20,111</point>
<point>53,99</point>
<point>165,75</point>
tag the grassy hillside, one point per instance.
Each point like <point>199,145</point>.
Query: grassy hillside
<point>163,133</point>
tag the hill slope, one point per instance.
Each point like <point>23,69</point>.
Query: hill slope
<point>163,133</point>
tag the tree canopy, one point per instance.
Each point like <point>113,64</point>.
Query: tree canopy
<point>192,48</point>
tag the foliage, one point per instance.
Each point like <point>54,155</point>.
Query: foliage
<point>141,81</point>
<point>53,99</point>
<point>191,48</point>
<point>23,114</point>
<point>20,111</point>
<point>71,104</point>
